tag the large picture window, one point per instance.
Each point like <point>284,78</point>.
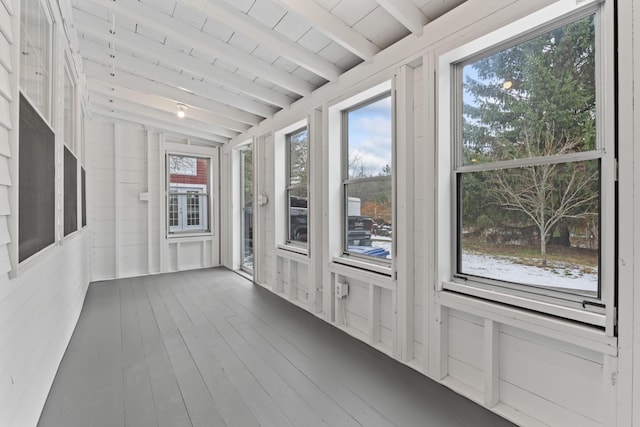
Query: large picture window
<point>528,158</point>
<point>188,195</point>
<point>367,179</point>
<point>297,186</point>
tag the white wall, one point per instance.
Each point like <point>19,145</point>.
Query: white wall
<point>129,236</point>
<point>39,302</point>
<point>530,368</point>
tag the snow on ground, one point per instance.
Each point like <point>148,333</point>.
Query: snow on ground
<point>504,268</point>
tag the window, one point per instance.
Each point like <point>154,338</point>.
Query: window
<point>70,192</point>
<point>531,169</point>
<point>37,189</point>
<point>188,198</point>
<point>246,201</point>
<point>35,55</point>
<point>367,180</point>
<point>297,185</point>
<point>69,112</point>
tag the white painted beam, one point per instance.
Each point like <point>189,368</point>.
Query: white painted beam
<point>131,64</point>
<point>407,13</point>
<point>132,81</point>
<point>331,26</point>
<point>221,11</point>
<point>168,116</point>
<point>99,28</point>
<point>150,123</point>
<point>164,104</point>
<point>145,115</point>
<point>205,43</point>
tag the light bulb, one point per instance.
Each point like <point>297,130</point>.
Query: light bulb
<point>181,109</point>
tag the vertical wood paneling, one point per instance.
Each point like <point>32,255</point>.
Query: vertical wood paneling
<point>316,230</point>
<point>403,226</point>
<point>491,363</point>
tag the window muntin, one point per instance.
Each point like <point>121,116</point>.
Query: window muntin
<point>297,186</point>
<point>188,195</point>
<point>35,55</point>
<point>367,179</point>
<point>528,166</point>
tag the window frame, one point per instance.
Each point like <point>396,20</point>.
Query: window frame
<point>598,312</point>
<point>69,140</point>
<point>244,264</point>
<point>291,187</point>
<point>207,229</point>
<point>345,181</point>
<point>48,90</point>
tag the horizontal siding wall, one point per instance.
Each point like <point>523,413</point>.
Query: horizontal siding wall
<point>38,312</point>
<point>38,308</point>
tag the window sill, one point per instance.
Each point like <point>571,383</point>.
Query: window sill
<point>364,273</point>
<point>190,235</point>
<point>519,308</point>
<point>33,260</point>
<point>302,250</point>
<point>364,264</point>
<point>293,252</point>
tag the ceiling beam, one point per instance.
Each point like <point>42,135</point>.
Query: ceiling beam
<point>101,72</point>
<point>407,13</point>
<point>142,114</point>
<point>153,124</point>
<point>205,43</point>
<point>331,26</point>
<point>149,70</point>
<point>164,104</point>
<point>222,12</point>
<point>100,29</point>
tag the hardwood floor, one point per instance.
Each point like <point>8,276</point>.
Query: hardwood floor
<point>208,348</point>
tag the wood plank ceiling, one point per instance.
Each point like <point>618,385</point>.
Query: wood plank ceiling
<point>230,63</point>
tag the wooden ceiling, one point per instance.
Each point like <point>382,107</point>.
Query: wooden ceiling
<point>231,63</point>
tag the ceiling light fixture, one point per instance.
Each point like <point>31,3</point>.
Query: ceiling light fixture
<point>181,109</point>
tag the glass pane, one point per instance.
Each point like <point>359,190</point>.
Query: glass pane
<point>189,194</point>
<point>537,98</point>
<point>369,133</point>
<point>298,158</point>
<point>68,113</point>
<point>193,208</point>
<point>297,215</point>
<point>369,218</point>
<point>536,225</point>
<point>35,38</point>
<point>173,211</point>
<point>247,209</point>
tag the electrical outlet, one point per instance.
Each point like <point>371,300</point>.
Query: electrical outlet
<point>342,290</point>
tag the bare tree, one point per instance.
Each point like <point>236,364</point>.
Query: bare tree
<point>549,193</point>
<point>181,164</point>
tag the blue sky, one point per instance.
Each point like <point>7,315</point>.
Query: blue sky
<point>370,135</point>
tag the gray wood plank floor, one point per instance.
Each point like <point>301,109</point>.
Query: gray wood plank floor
<point>208,348</point>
